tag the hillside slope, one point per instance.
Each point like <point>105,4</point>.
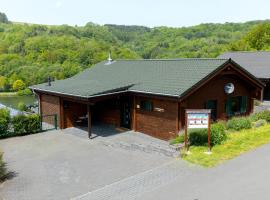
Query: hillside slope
<point>34,52</point>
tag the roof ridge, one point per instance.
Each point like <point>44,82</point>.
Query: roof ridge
<point>264,51</point>
<point>172,59</point>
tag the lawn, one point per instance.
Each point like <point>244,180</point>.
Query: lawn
<point>236,144</point>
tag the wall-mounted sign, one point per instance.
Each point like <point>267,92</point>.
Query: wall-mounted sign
<point>159,109</point>
<point>229,88</point>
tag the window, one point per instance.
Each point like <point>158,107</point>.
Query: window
<point>146,105</point>
<point>212,105</point>
<point>236,105</point>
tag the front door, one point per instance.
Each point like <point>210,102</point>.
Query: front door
<point>212,105</point>
<point>68,122</point>
<point>125,113</point>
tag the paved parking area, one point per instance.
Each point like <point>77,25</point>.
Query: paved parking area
<point>246,177</point>
<point>55,165</point>
<point>59,165</point>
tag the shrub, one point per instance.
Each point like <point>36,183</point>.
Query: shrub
<point>198,137</point>
<point>257,103</point>
<point>26,124</point>
<point>18,85</point>
<point>239,123</point>
<point>218,134</point>
<point>33,125</point>
<point>22,106</point>
<point>178,139</point>
<point>3,169</point>
<point>259,123</point>
<point>4,121</point>
<point>25,92</point>
<point>261,115</point>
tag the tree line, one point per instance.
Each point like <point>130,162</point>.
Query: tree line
<point>31,53</point>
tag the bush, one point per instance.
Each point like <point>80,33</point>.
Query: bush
<point>218,134</point>
<point>239,123</point>
<point>26,124</point>
<point>178,139</point>
<point>259,123</point>
<point>25,92</point>
<point>22,106</point>
<point>198,137</point>
<point>3,169</point>
<point>257,103</point>
<point>18,85</point>
<point>4,121</point>
<point>261,115</point>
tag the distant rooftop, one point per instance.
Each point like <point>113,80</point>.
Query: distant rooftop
<point>256,62</point>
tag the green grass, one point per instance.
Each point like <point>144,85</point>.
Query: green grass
<point>236,144</point>
<point>8,94</point>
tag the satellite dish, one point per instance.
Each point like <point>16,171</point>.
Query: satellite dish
<point>229,88</point>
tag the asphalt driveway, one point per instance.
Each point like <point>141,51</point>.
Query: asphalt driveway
<point>59,166</point>
<point>55,165</point>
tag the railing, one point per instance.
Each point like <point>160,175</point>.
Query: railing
<point>48,122</point>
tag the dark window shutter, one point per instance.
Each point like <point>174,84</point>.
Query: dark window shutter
<point>243,104</point>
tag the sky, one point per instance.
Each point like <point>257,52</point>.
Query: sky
<point>152,13</point>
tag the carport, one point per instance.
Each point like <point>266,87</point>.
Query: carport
<point>111,110</point>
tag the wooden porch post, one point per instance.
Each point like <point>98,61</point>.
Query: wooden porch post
<point>134,122</point>
<point>89,121</point>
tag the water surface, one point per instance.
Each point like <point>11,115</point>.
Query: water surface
<point>13,101</point>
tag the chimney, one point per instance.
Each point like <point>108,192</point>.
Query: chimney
<point>49,81</point>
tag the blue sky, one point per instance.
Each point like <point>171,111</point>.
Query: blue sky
<point>176,13</point>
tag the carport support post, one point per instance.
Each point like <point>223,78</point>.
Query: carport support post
<point>89,121</point>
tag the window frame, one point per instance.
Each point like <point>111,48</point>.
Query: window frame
<point>146,105</point>
<point>243,106</point>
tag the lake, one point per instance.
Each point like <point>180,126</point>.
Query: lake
<point>13,101</point>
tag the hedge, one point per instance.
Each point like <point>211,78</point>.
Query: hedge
<point>4,121</point>
<point>26,124</point>
<point>19,125</point>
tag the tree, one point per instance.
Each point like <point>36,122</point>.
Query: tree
<point>33,52</point>
<point>3,82</point>
<point>22,106</point>
<point>259,37</point>
<point>18,85</point>
<point>3,18</point>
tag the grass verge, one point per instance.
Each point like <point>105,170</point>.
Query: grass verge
<point>236,144</point>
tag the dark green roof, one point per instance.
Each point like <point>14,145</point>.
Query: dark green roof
<point>256,62</point>
<point>163,77</point>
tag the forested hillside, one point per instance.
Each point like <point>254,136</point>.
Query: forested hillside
<point>33,52</point>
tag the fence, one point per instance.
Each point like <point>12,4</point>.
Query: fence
<point>48,122</point>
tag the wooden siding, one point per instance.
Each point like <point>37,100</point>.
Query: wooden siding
<point>161,122</point>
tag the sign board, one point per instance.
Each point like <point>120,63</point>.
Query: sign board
<point>199,118</point>
<point>159,109</point>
